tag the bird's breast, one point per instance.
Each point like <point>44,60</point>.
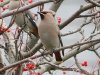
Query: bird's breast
<point>49,39</point>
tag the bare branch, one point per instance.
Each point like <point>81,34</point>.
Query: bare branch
<point>67,56</point>
<point>55,6</point>
<point>94,2</point>
<point>24,8</point>
<point>89,15</point>
<point>76,14</point>
<point>84,71</point>
<point>96,53</point>
<point>32,51</point>
<point>79,29</point>
<point>4,3</point>
<point>62,68</point>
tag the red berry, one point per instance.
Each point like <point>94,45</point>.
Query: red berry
<point>1,0</point>
<point>3,29</point>
<point>0,31</point>
<point>59,20</point>
<point>82,64</point>
<point>64,72</point>
<point>38,73</point>
<point>85,63</point>
<point>3,9</point>
<point>25,69</point>
<point>99,61</point>
<point>30,1</point>
<point>8,31</point>
<point>30,66</point>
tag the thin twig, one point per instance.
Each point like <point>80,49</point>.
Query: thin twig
<point>84,71</point>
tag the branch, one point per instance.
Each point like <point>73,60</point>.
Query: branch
<point>79,29</point>
<point>10,46</point>
<point>62,68</point>
<point>84,71</point>
<point>32,51</point>
<point>3,47</point>
<point>76,14</point>
<point>67,56</point>
<point>89,15</point>
<point>55,6</point>
<point>97,53</point>
<point>24,8</point>
<point>94,2</point>
<point>4,3</point>
<point>1,63</point>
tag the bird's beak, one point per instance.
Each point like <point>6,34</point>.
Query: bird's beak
<point>41,15</point>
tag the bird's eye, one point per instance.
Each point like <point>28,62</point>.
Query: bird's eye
<point>53,15</point>
<point>44,12</point>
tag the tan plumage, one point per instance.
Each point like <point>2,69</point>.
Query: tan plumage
<point>23,19</point>
<point>49,32</point>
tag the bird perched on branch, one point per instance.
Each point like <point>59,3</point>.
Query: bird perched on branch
<point>23,19</point>
<point>49,32</point>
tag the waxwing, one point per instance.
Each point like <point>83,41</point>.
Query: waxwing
<point>49,32</point>
<point>23,19</point>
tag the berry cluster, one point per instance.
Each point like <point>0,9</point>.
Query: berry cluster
<point>1,0</point>
<point>59,20</point>
<point>30,1</point>
<point>29,67</point>
<point>85,63</point>
<point>3,29</point>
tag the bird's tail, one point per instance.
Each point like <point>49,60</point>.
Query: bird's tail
<point>58,56</point>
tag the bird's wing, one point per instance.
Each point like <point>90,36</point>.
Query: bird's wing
<point>30,18</point>
<point>35,30</point>
<point>61,43</point>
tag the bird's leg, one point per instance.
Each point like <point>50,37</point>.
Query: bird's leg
<point>45,57</point>
<point>52,51</point>
<point>50,56</point>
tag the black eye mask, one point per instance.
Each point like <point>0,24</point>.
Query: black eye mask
<point>44,12</point>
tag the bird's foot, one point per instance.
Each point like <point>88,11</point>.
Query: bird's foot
<point>52,51</point>
<point>59,62</point>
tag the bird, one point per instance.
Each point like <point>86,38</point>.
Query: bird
<point>49,33</point>
<point>23,19</point>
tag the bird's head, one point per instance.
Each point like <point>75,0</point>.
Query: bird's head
<point>44,14</point>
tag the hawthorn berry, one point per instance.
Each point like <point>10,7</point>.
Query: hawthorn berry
<point>4,29</point>
<point>25,69</point>
<point>59,20</point>
<point>30,1</point>
<point>30,66</point>
<point>8,31</point>
<point>1,0</point>
<point>99,61</point>
<point>38,73</point>
<point>85,63</point>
